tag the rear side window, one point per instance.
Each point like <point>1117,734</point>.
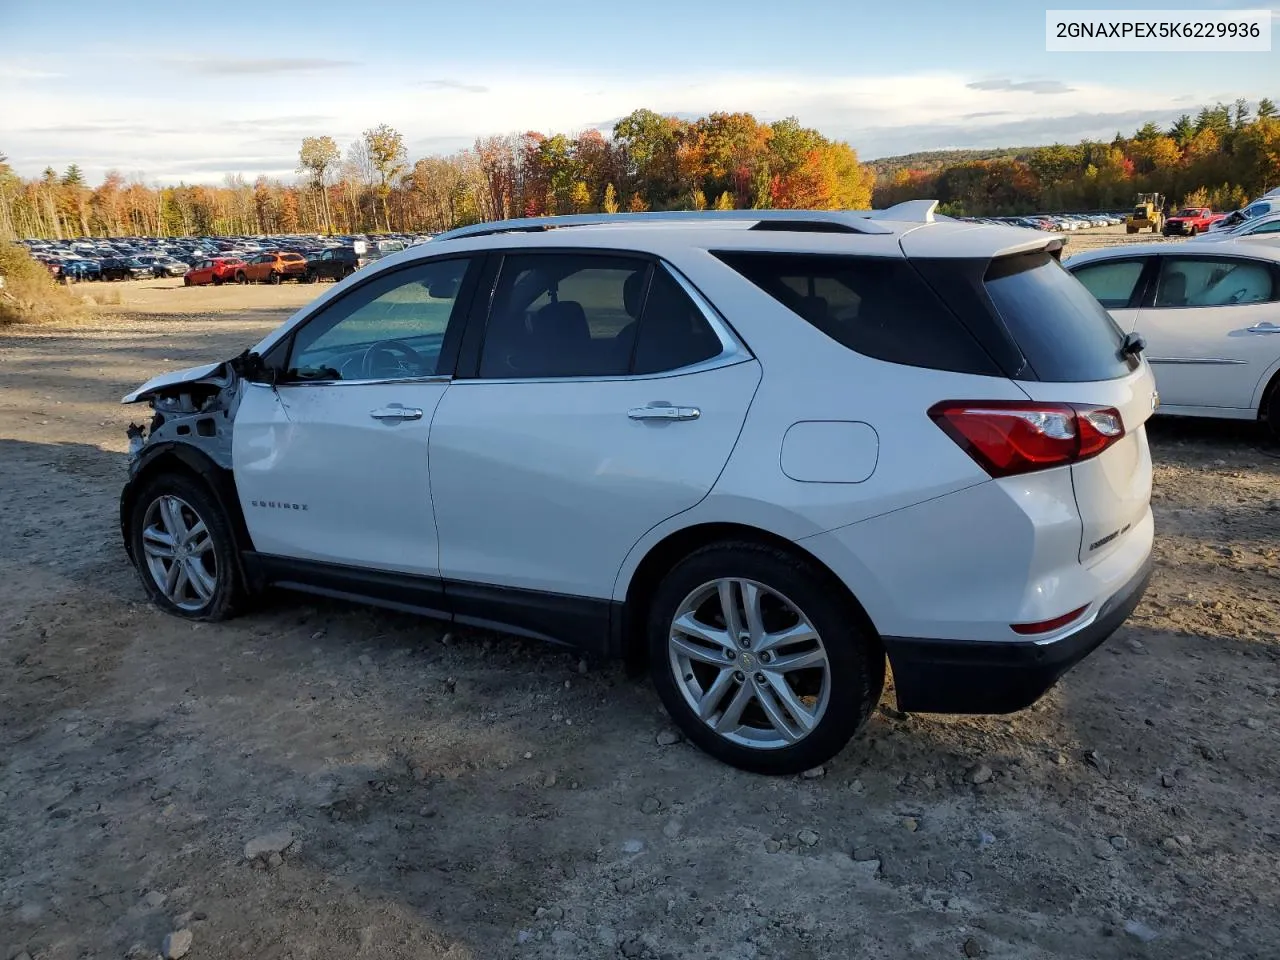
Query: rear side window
<point>1061,329</point>
<point>1213,282</point>
<point>878,307</point>
<point>1111,282</point>
<point>673,333</point>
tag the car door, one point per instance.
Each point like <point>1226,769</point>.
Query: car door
<point>1212,327</point>
<point>598,398</point>
<point>331,461</point>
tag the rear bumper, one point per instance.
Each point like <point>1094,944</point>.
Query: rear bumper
<point>973,676</point>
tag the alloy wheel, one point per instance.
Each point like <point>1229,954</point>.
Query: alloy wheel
<point>179,554</point>
<point>749,663</point>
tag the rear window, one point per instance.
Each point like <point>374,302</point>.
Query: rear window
<point>878,307</point>
<point>1061,329</point>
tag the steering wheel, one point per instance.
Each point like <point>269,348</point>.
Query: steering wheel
<point>400,353</point>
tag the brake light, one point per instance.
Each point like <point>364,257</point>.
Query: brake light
<point>1008,437</point>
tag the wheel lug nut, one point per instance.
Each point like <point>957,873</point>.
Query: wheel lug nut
<point>759,678</point>
<point>739,676</point>
<point>730,654</point>
<point>766,657</point>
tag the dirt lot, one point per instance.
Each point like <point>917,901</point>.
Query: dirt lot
<point>470,796</point>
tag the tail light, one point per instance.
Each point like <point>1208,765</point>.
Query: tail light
<point>1008,437</point>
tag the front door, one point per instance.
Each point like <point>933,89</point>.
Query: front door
<point>1212,329</point>
<point>331,464</point>
<point>602,401</point>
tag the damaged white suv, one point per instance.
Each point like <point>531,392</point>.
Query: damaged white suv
<point>757,451</point>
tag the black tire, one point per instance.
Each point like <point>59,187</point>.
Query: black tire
<point>229,592</point>
<point>309,277</point>
<point>241,278</point>
<point>273,278</point>
<point>186,281</point>
<point>855,659</point>
<point>1192,230</point>
<point>347,271</point>
<point>217,280</point>
<point>1271,408</point>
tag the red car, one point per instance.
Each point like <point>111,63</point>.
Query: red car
<point>217,270</point>
<point>1190,221</point>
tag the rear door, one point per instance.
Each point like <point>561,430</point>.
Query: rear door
<point>1212,328</point>
<point>597,399</point>
<point>1073,351</point>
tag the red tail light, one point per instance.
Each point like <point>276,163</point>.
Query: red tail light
<point>1044,626</point>
<point>1008,437</point>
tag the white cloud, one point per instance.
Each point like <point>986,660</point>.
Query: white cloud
<point>200,131</point>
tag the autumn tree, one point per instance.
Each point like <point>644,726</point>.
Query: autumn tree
<point>610,204</point>
<point>387,154</point>
<point>317,159</point>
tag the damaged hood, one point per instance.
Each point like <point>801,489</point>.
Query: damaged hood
<point>208,373</point>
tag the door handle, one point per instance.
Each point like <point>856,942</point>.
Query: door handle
<point>664,411</point>
<point>1264,328</point>
<point>394,413</point>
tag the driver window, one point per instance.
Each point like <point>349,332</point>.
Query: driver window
<point>391,327</point>
<point>1213,282</point>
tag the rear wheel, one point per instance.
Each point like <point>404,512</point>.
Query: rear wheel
<point>241,278</point>
<point>183,549</point>
<point>217,280</point>
<point>309,277</point>
<point>1271,408</point>
<point>759,660</point>
<point>347,271</point>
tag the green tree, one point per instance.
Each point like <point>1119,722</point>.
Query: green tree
<point>1148,131</point>
<point>387,154</point>
<point>1266,109</point>
<point>1182,130</point>
<point>1241,113</point>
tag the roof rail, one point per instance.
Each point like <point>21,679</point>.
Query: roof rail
<point>853,221</point>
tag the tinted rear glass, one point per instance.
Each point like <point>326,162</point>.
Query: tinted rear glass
<point>1062,330</point>
<point>879,307</point>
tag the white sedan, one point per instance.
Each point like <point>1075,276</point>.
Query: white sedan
<point>1210,315</point>
<point>1264,230</point>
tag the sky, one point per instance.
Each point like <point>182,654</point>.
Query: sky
<point>190,92</point>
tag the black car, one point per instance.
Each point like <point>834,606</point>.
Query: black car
<point>124,268</point>
<point>333,264</point>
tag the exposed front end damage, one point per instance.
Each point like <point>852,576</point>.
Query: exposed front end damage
<point>190,430</point>
<point>194,407</point>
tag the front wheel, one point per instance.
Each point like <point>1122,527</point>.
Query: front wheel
<point>186,281</point>
<point>759,660</point>
<point>1192,231</point>
<point>274,279</point>
<point>183,549</point>
<point>217,280</point>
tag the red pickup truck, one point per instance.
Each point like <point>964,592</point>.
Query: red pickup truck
<point>1190,221</point>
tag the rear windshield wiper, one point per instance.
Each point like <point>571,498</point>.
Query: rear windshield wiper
<point>1133,345</point>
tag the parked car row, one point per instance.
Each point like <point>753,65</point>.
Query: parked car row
<point>210,259</point>
<point>1057,222</point>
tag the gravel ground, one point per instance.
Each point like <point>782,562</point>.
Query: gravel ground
<point>318,780</point>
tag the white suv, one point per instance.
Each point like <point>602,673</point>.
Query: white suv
<point>757,451</point>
